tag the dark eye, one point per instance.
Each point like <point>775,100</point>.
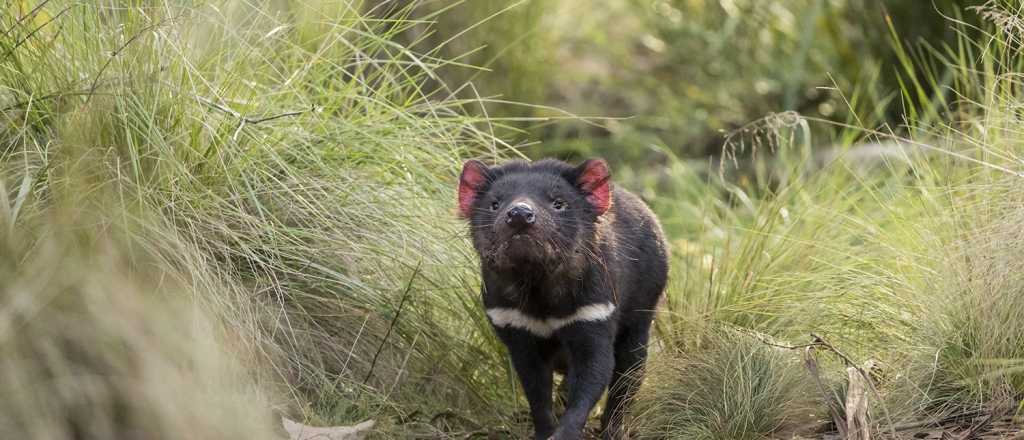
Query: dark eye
<point>558,204</point>
<point>495,205</point>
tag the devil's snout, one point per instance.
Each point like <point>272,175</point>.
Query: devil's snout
<point>520,216</point>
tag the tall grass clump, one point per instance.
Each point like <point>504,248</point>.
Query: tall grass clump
<point>905,257</point>
<point>970,341</point>
<point>286,163</point>
<point>819,252</point>
<point>93,348</point>
<point>728,387</point>
<point>800,252</point>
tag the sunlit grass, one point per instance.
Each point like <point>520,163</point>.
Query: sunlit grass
<point>265,190</point>
<point>727,387</point>
<point>906,261</point>
<point>284,165</point>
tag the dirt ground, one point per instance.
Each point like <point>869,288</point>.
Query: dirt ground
<point>977,428</point>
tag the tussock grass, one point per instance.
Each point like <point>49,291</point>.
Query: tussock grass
<point>91,347</point>
<point>909,262</point>
<point>728,387</point>
<point>283,164</point>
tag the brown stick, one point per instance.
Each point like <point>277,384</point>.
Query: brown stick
<point>812,366</point>
<point>818,341</point>
<point>116,52</point>
<point>243,120</point>
<point>867,377</point>
<point>973,432</point>
<point>394,320</point>
<point>856,407</point>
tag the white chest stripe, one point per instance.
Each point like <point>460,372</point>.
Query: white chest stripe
<point>504,317</point>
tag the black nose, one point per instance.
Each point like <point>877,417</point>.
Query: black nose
<point>520,216</point>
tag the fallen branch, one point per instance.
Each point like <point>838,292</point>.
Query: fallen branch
<point>820,342</point>
<point>995,414</point>
<point>299,431</point>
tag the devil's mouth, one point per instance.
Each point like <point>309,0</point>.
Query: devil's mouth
<point>520,241</point>
<point>520,247</point>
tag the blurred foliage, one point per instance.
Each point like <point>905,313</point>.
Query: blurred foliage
<point>679,73</point>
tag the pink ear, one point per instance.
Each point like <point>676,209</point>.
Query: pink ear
<point>595,180</point>
<point>474,175</point>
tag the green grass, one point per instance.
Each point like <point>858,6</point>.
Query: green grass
<point>93,348</point>
<point>680,72</point>
<point>727,387</point>
<point>301,234</point>
<point>907,262</point>
<point>256,202</point>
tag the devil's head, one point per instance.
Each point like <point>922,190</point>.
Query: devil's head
<point>534,216</point>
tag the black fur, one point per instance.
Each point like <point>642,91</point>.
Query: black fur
<point>565,259</point>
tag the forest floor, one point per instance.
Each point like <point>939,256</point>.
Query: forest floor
<point>976,427</point>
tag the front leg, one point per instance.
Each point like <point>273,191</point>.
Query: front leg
<point>531,358</point>
<point>591,362</point>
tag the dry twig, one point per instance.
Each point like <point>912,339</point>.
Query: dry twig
<point>243,120</point>
<point>116,52</point>
<point>812,365</point>
<point>398,313</point>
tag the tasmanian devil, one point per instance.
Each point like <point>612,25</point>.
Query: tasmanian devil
<point>572,270</point>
